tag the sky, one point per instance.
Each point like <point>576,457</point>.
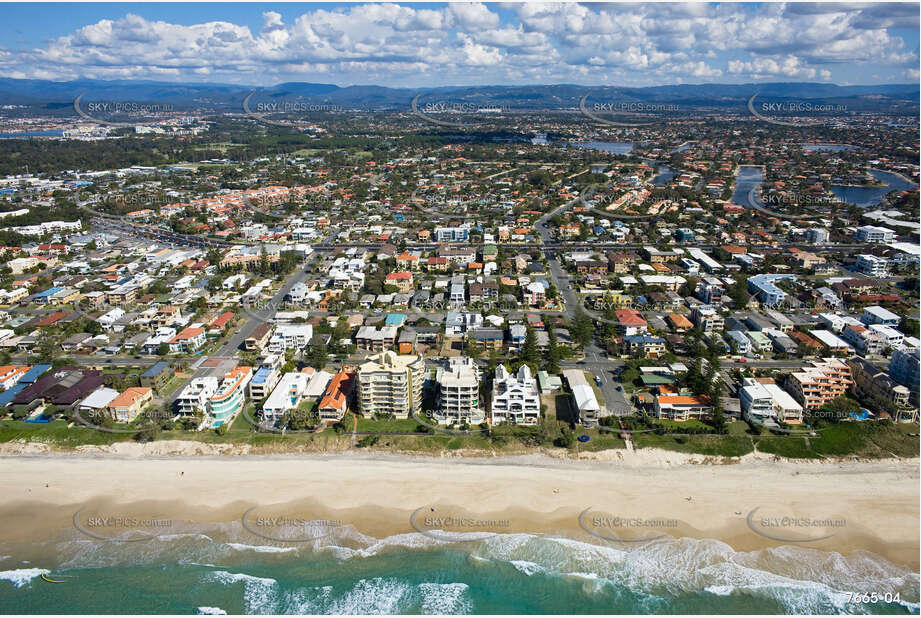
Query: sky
<point>464,44</point>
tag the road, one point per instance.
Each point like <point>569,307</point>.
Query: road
<point>233,344</point>
<point>596,360</point>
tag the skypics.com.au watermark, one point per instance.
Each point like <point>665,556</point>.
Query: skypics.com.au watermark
<point>288,527</point>
<point>122,114</point>
<point>455,113</point>
<point>609,110</point>
<point>779,524</point>
<point>800,199</point>
<point>796,112</point>
<point>454,526</point>
<point>121,527</point>
<point>291,113</point>
<point>623,529</point>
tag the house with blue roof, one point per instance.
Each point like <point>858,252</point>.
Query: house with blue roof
<point>45,297</point>
<point>33,374</point>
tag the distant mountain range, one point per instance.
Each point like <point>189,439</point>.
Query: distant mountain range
<point>58,96</point>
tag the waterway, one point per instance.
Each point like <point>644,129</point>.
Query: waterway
<point>869,197</point>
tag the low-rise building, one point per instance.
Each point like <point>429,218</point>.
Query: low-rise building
<point>194,397</point>
<point>188,340</point>
<point>157,375</point>
<point>230,396</point>
<point>130,403</point>
<point>335,401</point>
<point>683,407</point>
<point>820,383</point>
<point>871,381</point>
<point>879,315</point>
<point>707,319</point>
<point>285,396</point>
<point>290,337</point>
<point>872,265</point>
<point>515,398</point>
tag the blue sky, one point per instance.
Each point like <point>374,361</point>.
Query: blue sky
<point>430,44</point>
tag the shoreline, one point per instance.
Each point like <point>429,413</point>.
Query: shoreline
<point>378,494</point>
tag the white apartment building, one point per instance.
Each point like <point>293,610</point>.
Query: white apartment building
<point>874,234</point>
<point>286,396</point>
<point>107,320</point>
<point>194,397</point>
<point>879,315</point>
<point>290,337</point>
<point>391,384</point>
<point>458,393</point>
<point>816,235</point>
<point>515,398</point>
<point>872,265</point>
<point>757,402</point>
<point>265,378</point>
<point>707,319</point>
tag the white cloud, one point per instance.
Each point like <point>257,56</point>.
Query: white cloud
<point>469,43</point>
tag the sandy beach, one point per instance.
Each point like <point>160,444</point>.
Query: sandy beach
<point>875,504</point>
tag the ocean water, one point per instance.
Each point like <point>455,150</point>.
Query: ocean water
<point>220,568</point>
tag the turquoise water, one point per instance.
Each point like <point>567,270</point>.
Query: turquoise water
<point>219,568</point>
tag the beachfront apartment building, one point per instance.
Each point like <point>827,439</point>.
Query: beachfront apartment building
<point>230,396</point>
<point>762,399</point>
<point>458,397</point>
<point>286,396</point>
<point>871,381</point>
<point>130,403</point>
<point>391,384</point>
<point>515,398</point>
<point>194,397</point>
<point>682,407</point>
<point>905,368</point>
<point>756,402</point>
<point>583,396</point>
<point>823,381</point>
<point>335,401</point>
<point>786,408</point>
<point>265,378</point>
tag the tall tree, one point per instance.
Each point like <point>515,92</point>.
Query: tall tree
<point>529,352</point>
<point>553,354</point>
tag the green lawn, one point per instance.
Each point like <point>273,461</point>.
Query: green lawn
<point>670,425</point>
<point>57,433</point>
<point>720,446</point>
<point>862,439</point>
<point>395,425</point>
